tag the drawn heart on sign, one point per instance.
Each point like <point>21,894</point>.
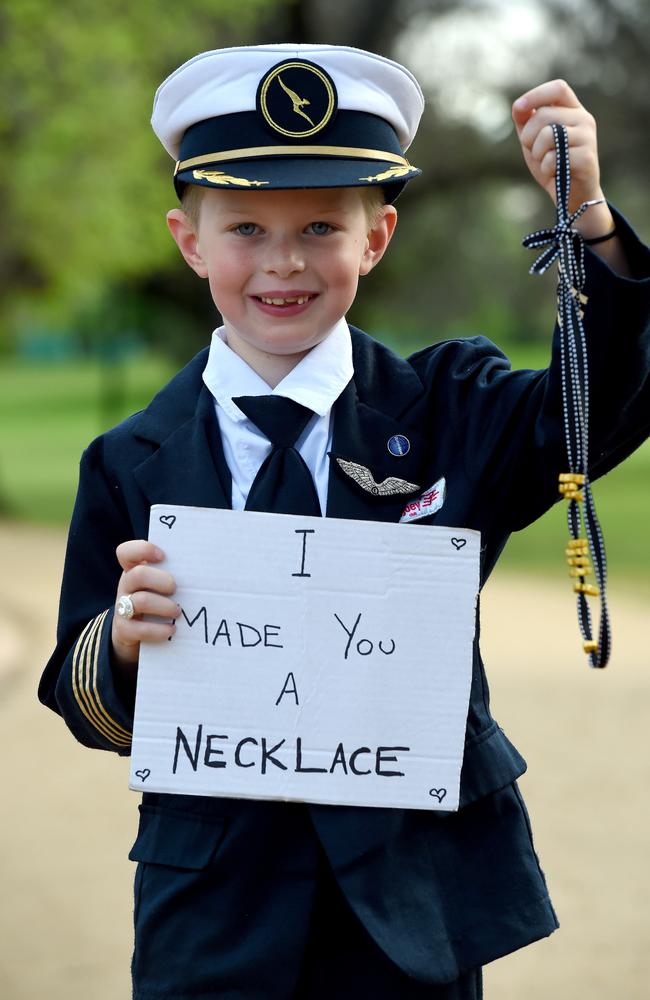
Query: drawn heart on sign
<point>438,793</point>
<point>456,542</point>
<point>143,774</point>
<point>168,519</point>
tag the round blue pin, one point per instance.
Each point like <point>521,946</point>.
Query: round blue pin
<point>398,445</point>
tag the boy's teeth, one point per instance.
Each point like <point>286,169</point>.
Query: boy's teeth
<point>300,299</point>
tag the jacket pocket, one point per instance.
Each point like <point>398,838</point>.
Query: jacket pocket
<point>177,839</point>
<point>490,763</point>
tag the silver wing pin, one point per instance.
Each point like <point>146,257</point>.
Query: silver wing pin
<point>391,486</point>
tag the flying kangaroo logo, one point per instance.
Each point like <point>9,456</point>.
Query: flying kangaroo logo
<point>298,102</point>
<point>287,90</point>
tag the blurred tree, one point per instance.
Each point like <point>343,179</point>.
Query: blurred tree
<point>457,266</point>
<point>85,185</point>
<point>83,182</point>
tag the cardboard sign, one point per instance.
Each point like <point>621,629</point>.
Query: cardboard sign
<point>316,659</point>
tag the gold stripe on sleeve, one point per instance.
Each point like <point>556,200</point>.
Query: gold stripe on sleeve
<point>81,668</point>
<point>79,653</point>
<point>112,729</point>
<point>86,696</point>
<point>119,729</point>
<point>85,644</point>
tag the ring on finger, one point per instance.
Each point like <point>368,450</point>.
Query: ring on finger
<point>125,608</point>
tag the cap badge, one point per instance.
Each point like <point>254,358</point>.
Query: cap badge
<point>297,98</point>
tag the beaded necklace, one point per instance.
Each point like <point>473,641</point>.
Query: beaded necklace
<point>585,552</point>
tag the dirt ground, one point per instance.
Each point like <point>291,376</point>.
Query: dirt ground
<point>69,819</point>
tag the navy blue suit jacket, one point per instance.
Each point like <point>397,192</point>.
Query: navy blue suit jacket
<point>440,893</point>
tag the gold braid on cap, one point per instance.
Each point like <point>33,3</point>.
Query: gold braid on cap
<point>259,152</point>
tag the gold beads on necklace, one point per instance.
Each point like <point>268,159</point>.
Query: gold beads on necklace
<point>569,483</point>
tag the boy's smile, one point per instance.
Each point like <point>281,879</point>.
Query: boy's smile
<point>289,302</point>
<point>283,266</point>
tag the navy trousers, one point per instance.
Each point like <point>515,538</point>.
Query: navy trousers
<point>246,907</point>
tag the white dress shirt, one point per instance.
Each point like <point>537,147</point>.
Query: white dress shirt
<point>316,382</point>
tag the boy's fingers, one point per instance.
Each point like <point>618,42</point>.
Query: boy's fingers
<point>548,164</point>
<point>146,603</point>
<point>544,117</point>
<point>137,550</point>
<point>146,577</point>
<point>545,142</point>
<point>553,92</point>
<point>140,631</point>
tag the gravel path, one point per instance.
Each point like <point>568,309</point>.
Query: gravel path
<point>69,819</point>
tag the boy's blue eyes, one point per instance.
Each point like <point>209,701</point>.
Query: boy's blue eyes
<point>250,228</point>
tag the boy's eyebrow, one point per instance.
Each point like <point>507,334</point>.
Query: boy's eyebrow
<point>331,211</point>
<point>312,213</point>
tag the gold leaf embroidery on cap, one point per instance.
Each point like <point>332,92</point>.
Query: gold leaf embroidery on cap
<point>387,175</point>
<point>298,102</point>
<point>218,177</point>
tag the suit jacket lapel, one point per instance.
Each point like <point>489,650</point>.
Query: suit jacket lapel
<point>361,435</point>
<point>189,467</point>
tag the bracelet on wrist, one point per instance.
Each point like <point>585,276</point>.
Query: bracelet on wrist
<point>601,239</point>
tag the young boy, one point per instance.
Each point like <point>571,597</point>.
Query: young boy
<point>289,159</point>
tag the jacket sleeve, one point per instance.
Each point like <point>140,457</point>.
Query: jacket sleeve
<point>78,681</point>
<point>510,423</point>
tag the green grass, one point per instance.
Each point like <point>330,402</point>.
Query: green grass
<point>622,506</point>
<point>48,414</point>
<point>622,502</point>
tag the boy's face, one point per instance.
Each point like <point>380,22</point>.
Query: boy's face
<point>283,266</point>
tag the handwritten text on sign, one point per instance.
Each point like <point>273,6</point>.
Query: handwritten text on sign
<point>316,659</point>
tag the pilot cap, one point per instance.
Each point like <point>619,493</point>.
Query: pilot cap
<point>289,116</point>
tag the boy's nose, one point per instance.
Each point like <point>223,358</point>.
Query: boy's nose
<point>284,259</point>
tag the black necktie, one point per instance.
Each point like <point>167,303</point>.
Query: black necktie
<point>283,484</point>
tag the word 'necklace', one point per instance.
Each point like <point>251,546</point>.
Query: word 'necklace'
<point>586,540</point>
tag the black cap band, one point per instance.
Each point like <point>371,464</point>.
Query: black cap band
<point>238,150</point>
<point>228,137</point>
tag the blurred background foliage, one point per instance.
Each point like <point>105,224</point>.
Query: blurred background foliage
<point>96,308</point>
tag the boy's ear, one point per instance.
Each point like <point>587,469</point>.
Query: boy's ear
<point>378,239</point>
<point>187,240</point>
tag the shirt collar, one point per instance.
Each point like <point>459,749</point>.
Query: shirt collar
<point>316,382</point>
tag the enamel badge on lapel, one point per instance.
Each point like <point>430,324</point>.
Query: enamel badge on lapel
<point>398,445</point>
<point>425,505</point>
<point>391,486</point>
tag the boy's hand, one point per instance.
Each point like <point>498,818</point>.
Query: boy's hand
<point>149,589</point>
<point>532,114</point>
